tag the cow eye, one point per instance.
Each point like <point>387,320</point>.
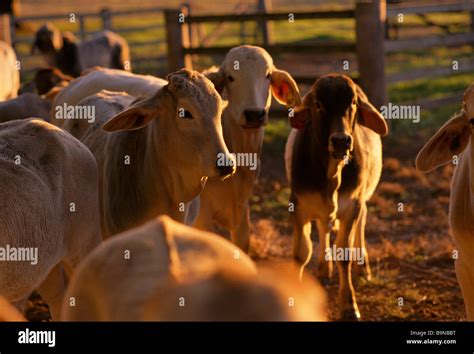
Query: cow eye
<point>187,115</point>
<point>268,75</point>
<point>471,121</point>
<point>317,105</point>
<point>230,78</point>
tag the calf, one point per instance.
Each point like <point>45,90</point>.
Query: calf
<point>246,79</point>
<point>65,52</point>
<point>176,273</point>
<point>454,140</point>
<point>49,210</point>
<point>9,72</point>
<point>159,152</point>
<point>334,162</point>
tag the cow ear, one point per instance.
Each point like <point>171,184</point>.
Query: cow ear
<point>451,139</point>
<point>135,117</point>
<point>368,115</point>
<point>56,38</point>
<point>217,77</point>
<point>300,117</point>
<point>284,88</point>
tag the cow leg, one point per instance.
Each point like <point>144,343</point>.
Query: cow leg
<point>302,244</point>
<point>465,276</point>
<point>325,264</point>
<point>359,243</point>
<point>345,240</point>
<point>241,234</point>
<point>52,290</point>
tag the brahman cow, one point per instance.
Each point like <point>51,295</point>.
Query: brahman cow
<point>49,210</point>
<point>453,142</point>
<point>166,271</point>
<point>246,79</point>
<point>334,162</point>
<point>97,79</point>
<point>9,72</point>
<point>26,105</point>
<point>158,152</point>
<point>65,52</point>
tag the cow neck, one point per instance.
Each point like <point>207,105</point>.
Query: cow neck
<point>239,139</point>
<point>331,168</point>
<point>168,187</point>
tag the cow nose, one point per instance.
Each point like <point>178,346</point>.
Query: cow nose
<point>255,116</point>
<point>225,170</point>
<point>341,142</point>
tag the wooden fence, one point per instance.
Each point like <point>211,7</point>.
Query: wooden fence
<point>372,46</point>
<point>448,39</point>
<point>106,17</point>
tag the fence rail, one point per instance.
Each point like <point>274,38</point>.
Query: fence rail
<point>372,47</point>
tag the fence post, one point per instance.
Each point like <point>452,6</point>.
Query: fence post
<point>370,33</point>
<point>472,21</point>
<point>5,29</point>
<point>82,30</point>
<point>177,39</point>
<point>266,27</point>
<point>106,17</point>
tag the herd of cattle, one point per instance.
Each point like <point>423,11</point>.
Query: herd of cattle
<point>115,179</point>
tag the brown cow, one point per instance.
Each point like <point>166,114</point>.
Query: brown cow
<point>334,163</point>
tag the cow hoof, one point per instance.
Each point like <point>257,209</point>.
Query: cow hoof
<point>350,315</point>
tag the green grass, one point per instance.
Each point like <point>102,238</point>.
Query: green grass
<point>304,31</point>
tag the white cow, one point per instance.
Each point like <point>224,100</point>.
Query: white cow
<point>165,271</point>
<point>156,154</point>
<point>247,79</point>
<point>65,52</point>
<point>9,73</point>
<point>454,140</point>
<point>98,79</point>
<point>49,217</point>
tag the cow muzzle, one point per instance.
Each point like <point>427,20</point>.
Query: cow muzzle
<point>226,165</point>
<point>340,145</point>
<point>255,118</point>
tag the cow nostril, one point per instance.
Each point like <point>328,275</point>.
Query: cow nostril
<point>339,142</point>
<point>225,170</point>
<point>255,116</point>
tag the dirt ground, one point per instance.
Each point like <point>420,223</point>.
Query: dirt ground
<point>411,252</point>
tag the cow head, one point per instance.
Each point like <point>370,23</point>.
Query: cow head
<point>334,105</point>
<point>48,40</point>
<point>185,119</point>
<point>451,139</point>
<point>246,79</point>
